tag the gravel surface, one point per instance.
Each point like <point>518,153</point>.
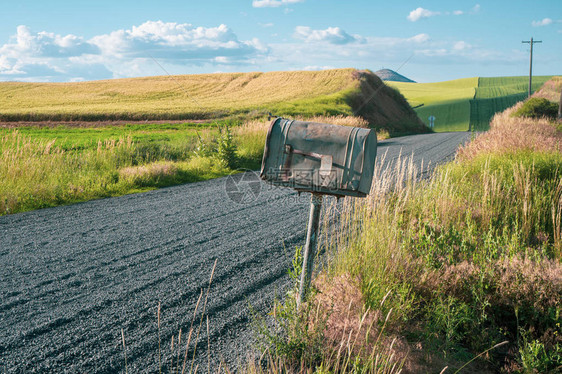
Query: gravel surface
<point>73,277</point>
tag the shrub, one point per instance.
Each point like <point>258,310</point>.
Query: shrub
<point>538,107</point>
<point>226,148</point>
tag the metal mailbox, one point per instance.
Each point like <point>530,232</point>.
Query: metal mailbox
<point>319,158</point>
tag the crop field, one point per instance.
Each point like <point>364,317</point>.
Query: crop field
<point>205,96</point>
<point>448,101</point>
<point>494,95</point>
<point>464,104</point>
<point>210,97</point>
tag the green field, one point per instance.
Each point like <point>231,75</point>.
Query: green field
<point>464,104</point>
<point>448,101</point>
<point>494,95</point>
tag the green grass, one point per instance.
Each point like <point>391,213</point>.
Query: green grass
<point>43,167</point>
<point>78,138</point>
<point>464,104</point>
<point>494,95</point>
<point>448,101</point>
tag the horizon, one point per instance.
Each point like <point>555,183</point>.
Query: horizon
<point>274,71</point>
<point>429,42</point>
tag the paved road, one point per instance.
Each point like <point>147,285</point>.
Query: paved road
<point>72,277</point>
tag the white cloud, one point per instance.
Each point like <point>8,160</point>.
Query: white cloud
<point>367,52</point>
<point>543,22</point>
<point>419,13</point>
<point>273,3</point>
<point>45,44</point>
<point>333,35</point>
<point>269,24</point>
<point>420,38</point>
<point>176,41</point>
<point>461,46</point>
<point>48,56</point>
<point>4,63</point>
<point>53,71</point>
<point>461,52</point>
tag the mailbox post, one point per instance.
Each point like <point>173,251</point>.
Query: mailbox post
<point>310,245</point>
<point>321,159</point>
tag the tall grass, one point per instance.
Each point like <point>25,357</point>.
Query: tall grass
<point>37,174</point>
<point>475,248</point>
<point>460,262</point>
<point>38,169</point>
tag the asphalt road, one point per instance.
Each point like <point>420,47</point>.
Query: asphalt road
<point>73,277</point>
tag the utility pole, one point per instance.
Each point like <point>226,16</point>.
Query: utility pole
<point>531,61</point>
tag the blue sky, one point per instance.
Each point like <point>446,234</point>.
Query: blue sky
<point>426,41</point>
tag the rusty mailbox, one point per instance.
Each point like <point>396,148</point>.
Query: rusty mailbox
<point>322,159</point>
<point>319,158</point>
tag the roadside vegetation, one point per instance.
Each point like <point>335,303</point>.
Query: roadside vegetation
<point>49,166</point>
<point>458,272</point>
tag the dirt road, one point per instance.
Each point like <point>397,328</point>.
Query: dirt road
<point>72,277</point>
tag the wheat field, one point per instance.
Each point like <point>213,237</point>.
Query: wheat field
<point>180,97</point>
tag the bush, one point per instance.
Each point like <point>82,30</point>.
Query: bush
<point>538,107</point>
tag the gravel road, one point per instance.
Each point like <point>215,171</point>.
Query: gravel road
<point>73,277</point>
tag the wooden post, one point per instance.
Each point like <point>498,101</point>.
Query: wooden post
<point>310,246</point>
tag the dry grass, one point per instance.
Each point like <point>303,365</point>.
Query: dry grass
<point>517,282</point>
<point>550,90</point>
<point>177,97</point>
<point>148,172</point>
<point>508,134</point>
<point>338,120</point>
<point>36,173</point>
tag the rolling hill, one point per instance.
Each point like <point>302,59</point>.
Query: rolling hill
<point>213,96</point>
<point>465,104</point>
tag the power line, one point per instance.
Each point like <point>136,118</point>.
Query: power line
<point>531,42</point>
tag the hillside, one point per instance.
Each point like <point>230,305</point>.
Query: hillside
<point>212,96</point>
<point>464,104</point>
<point>448,101</point>
<point>495,95</point>
<point>391,75</point>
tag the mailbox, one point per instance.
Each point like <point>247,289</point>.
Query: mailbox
<point>319,158</point>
